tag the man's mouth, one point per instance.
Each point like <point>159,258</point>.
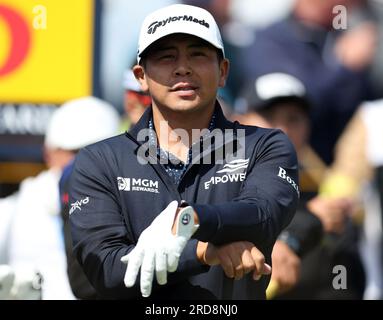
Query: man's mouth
<point>185,90</point>
<point>184,87</point>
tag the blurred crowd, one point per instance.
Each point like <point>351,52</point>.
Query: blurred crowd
<point>314,72</point>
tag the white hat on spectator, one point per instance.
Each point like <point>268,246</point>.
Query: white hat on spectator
<point>81,122</point>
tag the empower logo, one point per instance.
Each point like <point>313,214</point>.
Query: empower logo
<point>235,171</point>
<point>154,25</point>
<point>78,204</point>
<point>234,166</point>
<point>133,184</point>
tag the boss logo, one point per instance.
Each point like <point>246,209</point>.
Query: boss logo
<point>283,175</point>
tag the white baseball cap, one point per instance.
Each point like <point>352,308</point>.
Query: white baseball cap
<point>179,18</point>
<point>278,84</point>
<point>80,122</point>
<point>130,82</point>
<point>267,89</point>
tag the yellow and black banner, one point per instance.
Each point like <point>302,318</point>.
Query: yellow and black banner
<point>48,55</point>
<point>46,50</point>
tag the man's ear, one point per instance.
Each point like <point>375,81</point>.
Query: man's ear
<point>223,72</point>
<point>139,73</point>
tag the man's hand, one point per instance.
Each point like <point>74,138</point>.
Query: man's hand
<point>286,266</point>
<point>236,259</point>
<point>158,249</point>
<point>357,47</point>
<point>333,212</point>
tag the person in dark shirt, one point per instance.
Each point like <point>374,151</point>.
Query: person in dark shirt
<point>102,122</point>
<point>321,233</point>
<point>332,64</point>
<point>152,213</point>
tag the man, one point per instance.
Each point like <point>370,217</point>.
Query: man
<point>33,234</point>
<point>279,100</point>
<point>102,122</point>
<point>332,64</point>
<point>135,100</point>
<point>152,197</point>
<point>361,181</point>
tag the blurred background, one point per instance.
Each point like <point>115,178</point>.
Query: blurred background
<point>51,52</point>
<point>54,51</point>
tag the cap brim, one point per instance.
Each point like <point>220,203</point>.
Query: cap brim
<point>148,48</point>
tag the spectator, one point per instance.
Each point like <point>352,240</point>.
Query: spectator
<point>359,180</point>
<point>332,65</point>
<point>279,100</point>
<point>135,100</point>
<point>34,233</point>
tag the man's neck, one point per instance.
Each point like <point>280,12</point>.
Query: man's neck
<point>175,129</point>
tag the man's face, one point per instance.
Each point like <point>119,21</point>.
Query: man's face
<point>291,120</point>
<point>182,73</point>
<point>135,104</point>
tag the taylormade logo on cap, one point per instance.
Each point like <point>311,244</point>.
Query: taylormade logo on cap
<point>153,26</point>
<point>179,18</point>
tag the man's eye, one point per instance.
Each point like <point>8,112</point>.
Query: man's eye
<point>198,54</point>
<point>167,57</point>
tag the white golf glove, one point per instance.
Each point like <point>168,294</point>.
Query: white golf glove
<point>158,250</point>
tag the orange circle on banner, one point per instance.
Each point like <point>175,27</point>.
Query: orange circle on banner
<point>20,39</point>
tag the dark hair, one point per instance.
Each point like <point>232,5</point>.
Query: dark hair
<point>147,50</point>
<point>268,107</point>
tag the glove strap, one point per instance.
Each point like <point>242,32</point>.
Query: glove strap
<point>185,222</point>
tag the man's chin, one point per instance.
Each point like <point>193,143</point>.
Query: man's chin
<point>186,107</point>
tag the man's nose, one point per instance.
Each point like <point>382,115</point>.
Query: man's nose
<point>183,67</point>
